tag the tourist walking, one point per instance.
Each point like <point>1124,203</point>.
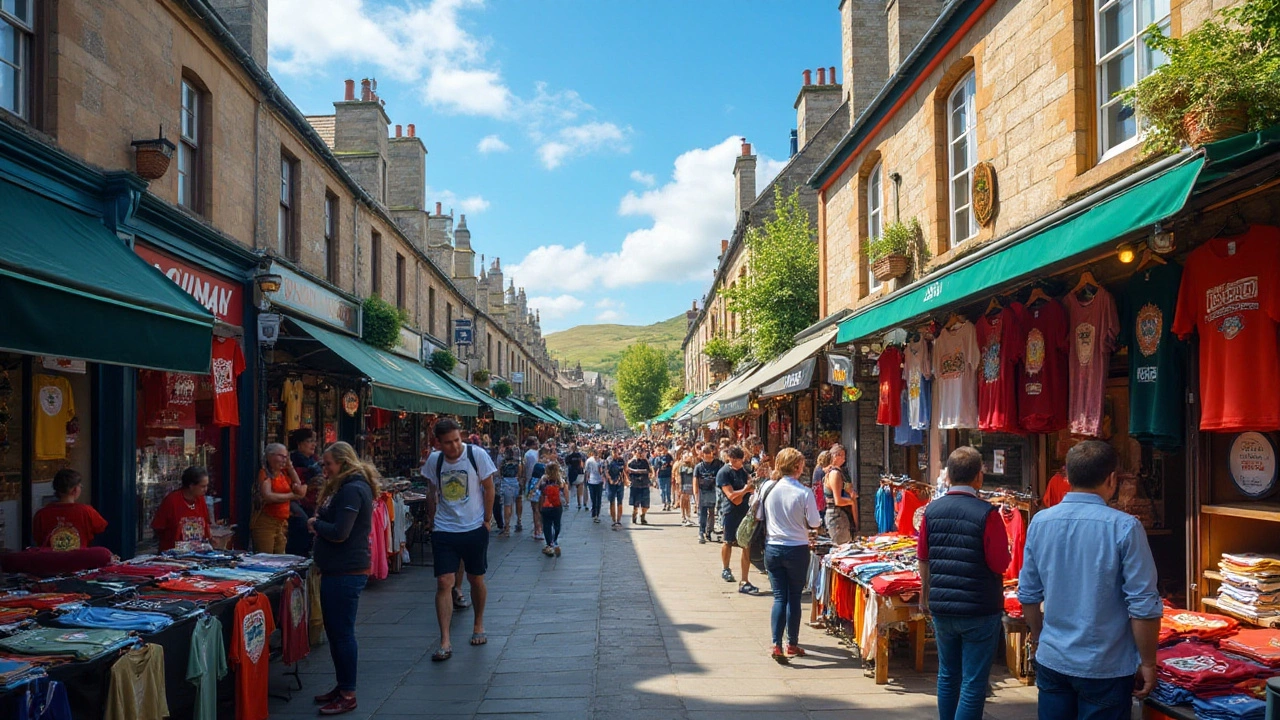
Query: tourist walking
<point>707,491</point>
<point>684,471</point>
<point>614,485</point>
<point>527,464</point>
<point>509,483</point>
<point>535,497</point>
<point>1095,640</point>
<point>554,492</point>
<point>662,465</point>
<point>963,552</point>
<point>736,486</point>
<point>575,466</point>
<point>638,476</point>
<point>461,477</point>
<point>789,511</point>
<point>595,481</point>
<point>342,523</point>
<point>839,498</point>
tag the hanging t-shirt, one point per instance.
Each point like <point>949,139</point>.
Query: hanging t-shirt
<point>206,665</point>
<point>461,507</point>
<point>1015,529</point>
<point>137,686</point>
<point>903,433</point>
<point>228,363</point>
<point>295,644</point>
<point>917,368</point>
<point>1094,328</point>
<point>1042,385</point>
<point>1001,347</point>
<point>66,526</point>
<point>1056,491</point>
<point>1157,378</point>
<point>884,509</point>
<point>889,409</point>
<point>1229,296</point>
<point>291,394</point>
<point>168,399</point>
<point>911,514</point>
<point>251,627</point>
<point>955,364</point>
<point>55,407</point>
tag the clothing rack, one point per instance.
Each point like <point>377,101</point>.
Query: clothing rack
<point>900,482</point>
<point>1012,498</point>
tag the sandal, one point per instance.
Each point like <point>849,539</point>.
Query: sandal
<point>460,602</point>
<point>478,639</point>
<point>442,654</point>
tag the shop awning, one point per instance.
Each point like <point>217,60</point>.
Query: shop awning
<point>779,376</point>
<point>558,416</point>
<point>533,411</point>
<point>673,410</point>
<point>730,399</point>
<point>69,287</point>
<point>502,412</point>
<point>1090,230</point>
<point>398,383</point>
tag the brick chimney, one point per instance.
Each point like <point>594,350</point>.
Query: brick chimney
<point>815,104</point>
<point>360,137</point>
<point>724,247</point>
<point>247,21</point>
<point>691,315</point>
<point>744,180</point>
<point>349,92</point>
<point>908,21</point>
<point>864,44</point>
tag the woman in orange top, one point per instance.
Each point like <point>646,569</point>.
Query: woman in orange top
<point>278,485</point>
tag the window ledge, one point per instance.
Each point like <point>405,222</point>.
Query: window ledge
<point>1118,161</point>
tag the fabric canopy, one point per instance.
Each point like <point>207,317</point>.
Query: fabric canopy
<point>671,411</point>
<point>502,412</point>
<point>398,383</point>
<point>1090,230</point>
<point>533,411</point>
<point>71,288</point>
<point>558,416</point>
<point>790,363</point>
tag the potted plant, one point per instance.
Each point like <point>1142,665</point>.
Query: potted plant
<point>890,254</point>
<point>480,377</point>
<point>502,390</point>
<point>443,361</point>
<point>382,322</point>
<point>723,354</point>
<point>151,157</point>
<point>1221,79</point>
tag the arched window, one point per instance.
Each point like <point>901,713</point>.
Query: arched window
<point>962,154</point>
<point>875,214</point>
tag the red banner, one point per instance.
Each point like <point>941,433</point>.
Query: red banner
<point>224,298</point>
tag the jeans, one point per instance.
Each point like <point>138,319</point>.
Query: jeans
<point>551,524</point>
<point>1064,697</point>
<point>339,598</point>
<point>595,491</point>
<point>497,512</point>
<point>706,519</point>
<point>664,487</point>
<point>966,649</point>
<point>788,568</point>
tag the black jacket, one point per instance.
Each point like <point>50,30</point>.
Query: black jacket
<point>342,529</point>
<point>960,581</point>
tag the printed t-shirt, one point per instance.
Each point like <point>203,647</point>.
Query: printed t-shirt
<point>461,507</point>
<point>911,514</point>
<point>169,399</point>
<point>137,686</point>
<point>291,394</point>
<point>1228,295</point>
<point>251,627</point>
<point>1157,378</point>
<point>66,526</point>
<point>81,643</point>
<point>955,363</point>
<point>510,467</point>
<point>295,640</point>
<point>178,521</point>
<point>1094,328</point>
<point>279,484</point>
<point>225,588</point>
<point>55,408</point>
<point>1042,386</point>
<point>171,607</point>
<point>903,433</point>
<point>573,464</point>
<point>704,476</point>
<point>638,473</point>
<point>228,363</point>
<point>1001,349</point>
<point>1015,528</point>
<point>206,665</point>
<point>1262,644</point>
<point>917,368</point>
<point>1057,489</point>
<point>734,480</point>
<point>889,408</point>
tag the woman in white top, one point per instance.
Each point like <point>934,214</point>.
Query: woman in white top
<point>790,511</point>
<point>595,481</point>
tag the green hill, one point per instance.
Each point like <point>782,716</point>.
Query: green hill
<point>598,347</point>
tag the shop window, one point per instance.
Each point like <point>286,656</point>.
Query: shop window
<point>400,283</point>
<point>875,215</point>
<point>17,36</point>
<point>329,258</point>
<point>287,220</point>
<point>375,263</point>
<point>1123,58</point>
<point>192,145</point>
<point>961,157</point>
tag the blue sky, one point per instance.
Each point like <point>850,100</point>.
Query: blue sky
<point>589,142</point>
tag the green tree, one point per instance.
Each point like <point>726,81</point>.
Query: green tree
<point>779,295</point>
<point>643,377</point>
<point>673,395</point>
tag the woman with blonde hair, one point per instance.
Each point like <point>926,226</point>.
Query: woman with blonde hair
<point>554,494</point>
<point>684,471</point>
<point>341,525</point>
<point>789,512</point>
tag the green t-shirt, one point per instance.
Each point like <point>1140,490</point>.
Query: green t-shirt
<point>206,665</point>
<point>83,643</point>
<point>1157,359</point>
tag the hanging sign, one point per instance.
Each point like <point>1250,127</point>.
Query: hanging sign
<point>1253,464</point>
<point>220,296</point>
<point>517,378</point>
<point>797,378</point>
<point>350,403</point>
<point>268,328</point>
<point>839,370</point>
<point>462,332</point>
<point>984,193</point>
<point>308,298</point>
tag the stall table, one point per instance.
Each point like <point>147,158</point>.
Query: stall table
<point>890,610</point>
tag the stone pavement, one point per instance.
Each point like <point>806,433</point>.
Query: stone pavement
<point>635,624</point>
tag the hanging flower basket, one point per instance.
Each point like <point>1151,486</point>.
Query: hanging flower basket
<point>890,267</point>
<point>1202,128</point>
<point>151,157</point>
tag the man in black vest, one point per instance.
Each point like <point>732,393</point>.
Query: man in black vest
<point>963,553</point>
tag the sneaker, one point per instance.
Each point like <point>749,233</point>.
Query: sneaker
<point>595,520</point>
<point>727,575</point>
<point>644,521</point>
<point>702,539</point>
<point>519,527</point>
<point>547,551</point>
<point>557,551</point>
<point>339,706</point>
<point>746,588</point>
<point>616,526</point>
<point>795,651</point>
<point>778,656</point>
<point>538,536</point>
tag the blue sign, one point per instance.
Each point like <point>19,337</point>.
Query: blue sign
<point>462,332</point>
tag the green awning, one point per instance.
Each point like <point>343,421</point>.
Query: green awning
<point>69,287</point>
<point>533,411</point>
<point>1226,156</point>
<point>501,411</point>
<point>398,383</point>
<point>671,411</point>
<point>558,416</point>
<point>510,413</point>
<point>1088,231</point>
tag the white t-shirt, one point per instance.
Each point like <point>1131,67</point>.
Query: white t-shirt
<point>956,359</point>
<point>530,459</point>
<point>461,507</point>
<point>790,510</point>
<point>593,472</point>
<point>917,365</point>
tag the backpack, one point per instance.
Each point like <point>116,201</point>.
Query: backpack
<point>471,455</point>
<point>510,468</point>
<point>551,495</point>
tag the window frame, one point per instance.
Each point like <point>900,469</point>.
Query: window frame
<point>875,216</point>
<point>192,149</point>
<point>401,282</point>
<point>332,215</point>
<point>287,212</point>
<point>375,263</point>
<point>25,31</point>
<point>1133,43</point>
<point>967,88</point>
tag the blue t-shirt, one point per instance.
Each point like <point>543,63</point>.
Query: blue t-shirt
<point>662,463</point>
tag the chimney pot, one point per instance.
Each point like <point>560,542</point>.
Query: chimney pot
<point>822,76</point>
<point>808,77</point>
<point>398,130</point>
<point>724,247</point>
<point>349,93</point>
<point>439,210</point>
<point>746,147</point>
<point>411,131</point>
<point>833,74</point>
<point>364,90</point>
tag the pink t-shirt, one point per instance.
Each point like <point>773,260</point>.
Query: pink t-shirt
<point>1094,328</point>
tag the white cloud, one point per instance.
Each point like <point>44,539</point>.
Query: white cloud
<point>766,170</point>
<point>468,92</point>
<point>492,144</point>
<point>608,303</point>
<point>644,178</point>
<point>555,308</point>
<point>551,267</point>
<point>577,140</point>
<point>451,200</point>
<point>608,316</point>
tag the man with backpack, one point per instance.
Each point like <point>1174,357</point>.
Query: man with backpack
<point>639,473</point>
<point>509,483</point>
<point>614,485</point>
<point>704,487</point>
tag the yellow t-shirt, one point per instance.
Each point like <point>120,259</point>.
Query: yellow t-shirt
<point>137,690</point>
<point>292,394</point>
<point>55,407</point>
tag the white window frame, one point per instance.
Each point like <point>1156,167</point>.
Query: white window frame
<point>285,230</point>
<point>189,190</point>
<point>1145,62</point>
<point>875,216</point>
<point>965,90</point>
<point>20,64</point>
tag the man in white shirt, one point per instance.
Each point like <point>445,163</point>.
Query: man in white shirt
<point>526,476</point>
<point>461,476</point>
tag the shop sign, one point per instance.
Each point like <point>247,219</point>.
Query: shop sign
<point>734,406</point>
<point>409,344</point>
<point>984,193</point>
<point>462,332</point>
<point>517,378</point>
<point>304,296</point>
<point>1253,464</point>
<point>798,378</point>
<point>220,296</point>
<point>839,370</point>
<point>350,403</point>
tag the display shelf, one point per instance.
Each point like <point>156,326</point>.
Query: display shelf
<point>1213,603</point>
<point>1251,510</point>
<point>1213,575</point>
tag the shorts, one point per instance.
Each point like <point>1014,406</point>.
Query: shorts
<point>686,489</point>
<point>613,493</point>
<point>731,522</point>
<point>640,497</point>
<point>450,550</point>
<point>577,480</point>
<point>509,491</point>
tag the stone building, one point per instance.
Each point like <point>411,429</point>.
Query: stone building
<point>590,394</point>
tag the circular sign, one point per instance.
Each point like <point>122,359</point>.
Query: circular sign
<point>983,189</point>
<point>350,403</point>
<point>1253,464</point>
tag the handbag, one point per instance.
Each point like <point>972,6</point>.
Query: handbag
<point>751,532</point>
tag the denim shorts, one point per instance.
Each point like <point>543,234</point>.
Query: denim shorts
<point>613,493</point>
<point>640,497</point>
<point>509,490</point>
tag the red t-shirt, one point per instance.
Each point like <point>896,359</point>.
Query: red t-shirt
<point>1229,296</point>
<point>66,526</point>
<point>911,514</point>
<point>177,521</point>
<point>1058,489</point>
<point>1042,386</point>
<point>228,363</point>
<point>295,635</point>
<point>168,399</point>
<point>249,654</point>
<point>1015,529</point>
<point>1001,348</point>
<point>889,410</point>
<point>191,584</point>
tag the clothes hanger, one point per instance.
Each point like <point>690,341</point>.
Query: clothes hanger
<point>954,321</point>
<point>1226,230</point>
<point>1037,297</point>
<point>994,307</point>
<point>1086,287</point>
<point>1150,257</point>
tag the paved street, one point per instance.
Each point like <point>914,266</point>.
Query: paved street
<point>635,624</point>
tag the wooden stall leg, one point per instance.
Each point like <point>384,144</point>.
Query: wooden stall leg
<point>882,656</point>
<point>917,643</point>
